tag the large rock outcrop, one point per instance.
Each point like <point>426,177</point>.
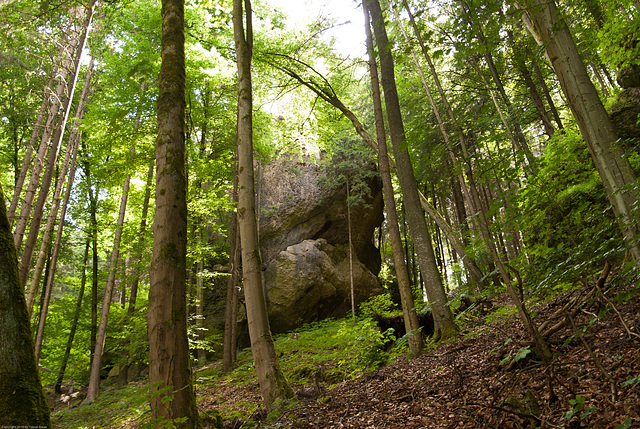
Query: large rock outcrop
<point>304,243</point>
<point>311,281</point>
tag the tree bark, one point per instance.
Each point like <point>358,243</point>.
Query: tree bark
<point>544,22</point>
<point>17,190</point>
<point>231,305</point>
<point>22,400</point>
<point>444,325</point>
<point>71,67</point>
<point>406,295</point>
<point>273,385</point>
<point>70,157</point>
<point>169,360</point>
<point>94,378</point>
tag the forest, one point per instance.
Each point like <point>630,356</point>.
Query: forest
<point>259,214</point>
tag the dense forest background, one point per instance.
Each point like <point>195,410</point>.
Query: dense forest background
<point>520,193</point>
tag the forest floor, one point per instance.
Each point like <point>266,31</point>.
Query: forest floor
<point>463,384</point>
<point>488,377</point>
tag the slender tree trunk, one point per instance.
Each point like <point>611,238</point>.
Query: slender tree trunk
<point>444,325</point>
<point>406,295</point>
<point>94,377</point>
<point>273,385</point>
<point>38,210</point>
<point>93,228</point>
<point>141,240</point>
<point>545,90</point>
<point>231,306</point>
<point>26,163</point>
<point>22,400</point>
<point>544,22</point>
<point>475,273</point>
<point>71,69</point>
<point>74,143</point>
<point>74,320</point>
<point>70,156</point>
<point>169,361</point>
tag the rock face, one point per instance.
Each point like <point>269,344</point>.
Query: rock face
<point>311,281</point>
<point>304,244</point>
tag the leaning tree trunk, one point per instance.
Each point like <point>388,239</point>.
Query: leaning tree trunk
<point>38,210</point>
<point>411,322</point>
<point>94,377</point>
<point>544,22</point>
<point>72,68</point>
<point>444,324</point>
<point>26,163</point>
<point>22,400</point>
<point>70,156</point>
<point>172,394</point>
<point>273,385</point>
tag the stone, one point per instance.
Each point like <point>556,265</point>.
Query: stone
<point>310,281</point>
<point>294,207</point>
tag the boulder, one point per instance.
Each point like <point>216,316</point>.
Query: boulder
<point>294,207</point>
<point>310,281</point>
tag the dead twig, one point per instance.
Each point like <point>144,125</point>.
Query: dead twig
<point>596,360</point>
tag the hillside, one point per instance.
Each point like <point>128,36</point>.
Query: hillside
<point>471,382</point>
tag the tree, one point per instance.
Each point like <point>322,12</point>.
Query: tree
<point>406,296</point>
<point>442,315</point>
<point>273,385</point>
<point>22,400</point>
<point>550,30</point>
<point>172,395</point>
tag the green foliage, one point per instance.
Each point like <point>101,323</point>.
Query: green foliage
<point>350,163</point>
<point>381,304</point>
<point>566,218</point>
<point>579,409</point>
<point>522,353</point>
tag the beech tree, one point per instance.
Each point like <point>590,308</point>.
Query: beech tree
<point>546,24</point>
<point>443,317</point>
<point>406,295</point>
<point>21,398</point>
<point>172,394</point>
<point>273,385</point>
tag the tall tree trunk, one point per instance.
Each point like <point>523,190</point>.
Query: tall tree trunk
<point>93,232</point>
<point>544,22</point>
<point>231,305</point>
<point>444,325</point>
<point>273,385</point>
<point>545,90</point>
<point>70,156</point>
<point>35,133</point>
<point>74,320</point>
<point>73,145</point>
<point>38,210</point>
<point>72,68</point>
<point>101,335</point>
<point>406,295</point>
<point>22,400</point>
<point>452,157</point>
<point>169,361</point>
<point>141,240</point>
